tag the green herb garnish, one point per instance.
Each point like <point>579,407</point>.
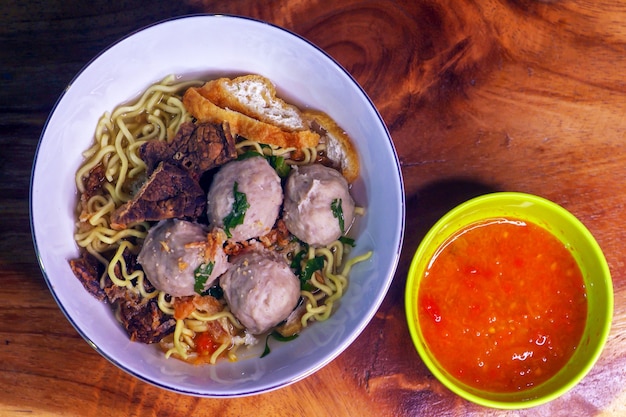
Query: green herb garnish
<point>201,275</point>
<point>237,212</point>
<point>277,162</point>
<point>296,262</point>
<point>215,291</point>
<point>280,166</point>
<point>347,240</point>
<point>278,337</point>
<point>312,265</point>
<point>248,154</point>
<point>337,210</point>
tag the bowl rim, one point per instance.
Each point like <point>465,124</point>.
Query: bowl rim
<point>412,284</point>
<point>401,210</point>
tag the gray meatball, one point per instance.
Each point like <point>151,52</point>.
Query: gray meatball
<point>318,205</point>
<point>249,188</point>
<point>261,290</point>
<point>172,252</point>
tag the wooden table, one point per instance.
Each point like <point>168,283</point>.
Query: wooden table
<point>517,95</point>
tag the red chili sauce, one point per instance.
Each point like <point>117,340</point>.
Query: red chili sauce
<point>502,305</point>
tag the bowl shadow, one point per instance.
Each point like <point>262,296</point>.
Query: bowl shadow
<point>428,205</point>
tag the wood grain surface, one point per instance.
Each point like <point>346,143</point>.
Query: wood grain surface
<point>484,95</point>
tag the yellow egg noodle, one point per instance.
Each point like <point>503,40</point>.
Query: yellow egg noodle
<point>157,115</point>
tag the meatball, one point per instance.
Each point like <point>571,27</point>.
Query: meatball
<point>318,205</point>
<point>250,189</point>
<point>260,289</point>
<point>173,251</point>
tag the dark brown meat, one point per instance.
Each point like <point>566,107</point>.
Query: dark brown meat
<point>196,148</point>
<point>115,293</point>
<point>88,270</point>
<point>167,194</point>
<point>144,321</point>
<point>171,191</point>
<point>93,182</point>
<point>93,186</point>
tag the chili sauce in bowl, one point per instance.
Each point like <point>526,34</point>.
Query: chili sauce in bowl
<point>512,295</point>
<point>509,300</point>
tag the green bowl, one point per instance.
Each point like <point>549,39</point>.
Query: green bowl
<point>585,250</point>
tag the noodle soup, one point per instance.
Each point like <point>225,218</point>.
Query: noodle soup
<point>186,46</point>
<point>200,326</point>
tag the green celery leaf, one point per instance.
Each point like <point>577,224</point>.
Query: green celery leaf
<point>237,212</point>
<point>337,210</point>
<point>201,274</point>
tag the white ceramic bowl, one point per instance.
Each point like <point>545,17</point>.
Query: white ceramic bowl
<point>216,45</point>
